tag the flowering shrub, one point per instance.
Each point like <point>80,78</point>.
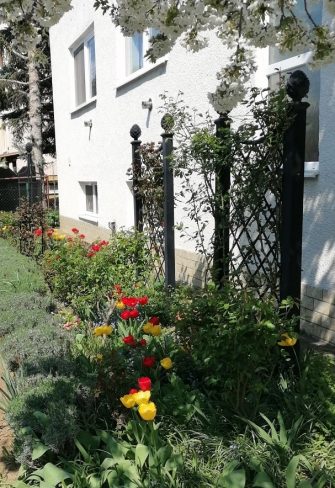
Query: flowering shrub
<point>83,275</point>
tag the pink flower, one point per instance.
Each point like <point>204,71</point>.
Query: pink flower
<point>82,236</point>
<point>75,230</point>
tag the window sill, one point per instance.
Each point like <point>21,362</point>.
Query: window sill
<point>141,72</point>
<point>84,105</point>
<point>90,217</point>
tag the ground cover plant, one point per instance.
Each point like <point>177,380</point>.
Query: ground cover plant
<point>153,388</point>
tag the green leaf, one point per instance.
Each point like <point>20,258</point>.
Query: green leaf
<point>232,480</point>
<point>41,418</point>
<point>85,455</point>
<point>94,481</point>
<point>53,474</point>
<point>306,484</point>
<point>87,440</point>
<point>141,454</point>
<point>38,450</point>
<point>291,471</point>
<point>262,480</point>
<point>163,454</point>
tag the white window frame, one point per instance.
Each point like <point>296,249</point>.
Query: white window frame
<point>83,40</point>
<point>125,76</point>
<point>87,214</point>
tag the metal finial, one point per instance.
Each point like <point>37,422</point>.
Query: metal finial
<point>167,122</point>
<point>297,86</point>
<point>29,147</point>
<point>135,132</point>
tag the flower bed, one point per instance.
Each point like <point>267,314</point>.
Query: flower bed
<point>166,389</point>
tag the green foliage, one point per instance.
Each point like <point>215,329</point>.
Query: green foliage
<point>52,218</point>
<point>84,281</point>
<point>46,411</point>
<point>231,340</point>
<point>31,216</point>
<point>202,159</point>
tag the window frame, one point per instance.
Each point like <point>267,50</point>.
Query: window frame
<point>83,41</point>
<point>88,214</point>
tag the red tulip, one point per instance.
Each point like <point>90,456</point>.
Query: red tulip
<point>144,383</point>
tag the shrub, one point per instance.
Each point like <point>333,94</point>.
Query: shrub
<point>46,411</point>
<point>40,349</point>
<point>231,340</point>
<point>84,277</point>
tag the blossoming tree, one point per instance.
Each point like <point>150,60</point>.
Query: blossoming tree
<point>241,26</point>
<point>26,19</point>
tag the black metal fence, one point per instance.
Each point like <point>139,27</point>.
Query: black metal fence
<point>256,245</point>
<point>12,190</point>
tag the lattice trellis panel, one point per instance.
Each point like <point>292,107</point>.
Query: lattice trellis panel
<point>255,217</point>
<point>153,228</point>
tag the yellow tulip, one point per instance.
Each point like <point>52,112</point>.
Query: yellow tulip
<point>128,401</point>
<point>156,330</point>
<point>147,411</point>
<point>103,330</point>
<point>287,341</point>
<point>120,305</point>
<point>142,397</point>
<point>147,328</point>
<point>166,363</point>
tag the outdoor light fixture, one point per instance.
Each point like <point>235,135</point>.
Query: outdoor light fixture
<point>88,123</point>
<point>147,105</point>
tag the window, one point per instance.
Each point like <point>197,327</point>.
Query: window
<point>287,62</point>
<point>85,83</point>
<point>91,198</point>
<point>136,47</point>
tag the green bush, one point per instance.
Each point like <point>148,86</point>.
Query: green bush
<point>230,338</point>
<point>84,278</point>
<point>47,412</point>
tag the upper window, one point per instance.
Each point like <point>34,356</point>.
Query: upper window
<point>85,70</point>
<point>136,47</point>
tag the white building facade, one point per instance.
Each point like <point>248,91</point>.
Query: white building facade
<point>100,80</point>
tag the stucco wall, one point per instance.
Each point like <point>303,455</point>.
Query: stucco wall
<point>104,153</point>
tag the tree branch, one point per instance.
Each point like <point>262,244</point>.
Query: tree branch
<point>19,55</point>
<point>17,82</point>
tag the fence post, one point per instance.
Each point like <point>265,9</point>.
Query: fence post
<point>29,148</point>
<point>167,124</point>
<point>297,87</point>
<point>135,133</point>
<point>222,208</point>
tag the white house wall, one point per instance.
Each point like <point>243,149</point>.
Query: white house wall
<point>105,156</point>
